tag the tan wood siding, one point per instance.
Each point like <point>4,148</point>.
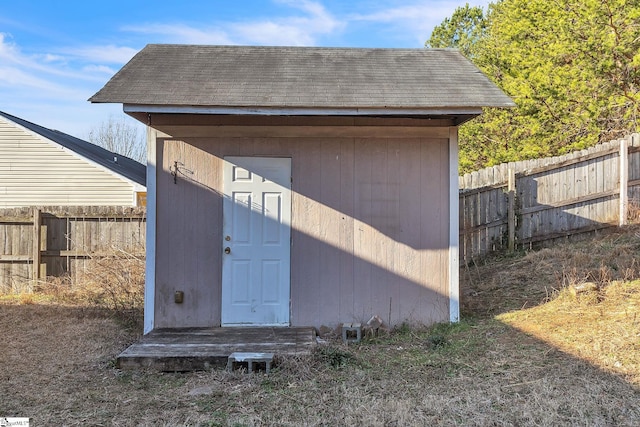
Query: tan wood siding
<point>35,171</point>
<point>369,227</point>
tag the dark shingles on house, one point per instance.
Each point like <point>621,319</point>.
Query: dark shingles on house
<point>128,168</point>
<point>301,77</point>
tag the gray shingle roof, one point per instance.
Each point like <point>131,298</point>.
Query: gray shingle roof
<point>124,166</point>
<point>301,77</point>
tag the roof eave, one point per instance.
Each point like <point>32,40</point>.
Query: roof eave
<point>302,111</point>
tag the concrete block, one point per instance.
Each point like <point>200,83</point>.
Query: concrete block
<point>351,332</point>
<point>250,359</point>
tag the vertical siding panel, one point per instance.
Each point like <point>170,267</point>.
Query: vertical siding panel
<point>208,242</point>
<point>394,267</point>
<point>307,295</point>
<point>463,227</point>
<point>329,233</point>
<point>347,230</point>
<point>379,297</point>
<point>170,248</point>
<point>176,210</point>
<point>409,254</point>
<point>298,238</point>
<point>190,233</point>
<point>363,233</point>
<point>217,149</point>
<point>443,232</point>
<point>434,187</point>
<point>162,234</point>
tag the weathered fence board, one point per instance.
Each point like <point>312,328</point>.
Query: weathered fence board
<point>66,239</point>
<point>554,197</point>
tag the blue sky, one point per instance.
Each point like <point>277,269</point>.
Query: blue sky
<point>55,54</point>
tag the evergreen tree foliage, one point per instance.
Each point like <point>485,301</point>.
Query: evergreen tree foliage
<point>571,66</point>
<point>465,27</point>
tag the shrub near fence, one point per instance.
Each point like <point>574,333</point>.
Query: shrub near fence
<point>61,241</point>
<point>517,205</point>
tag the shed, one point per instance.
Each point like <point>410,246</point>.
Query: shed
<point>301,186</point>
<point>46,167</point>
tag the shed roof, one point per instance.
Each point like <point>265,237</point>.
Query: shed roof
<point>301,77</point>
<point>118,164</point>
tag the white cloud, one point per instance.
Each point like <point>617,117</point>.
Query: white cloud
<point>92,68</point>
<point>13,76</point>
<point>43,66</point>
<point>293,30</point>
<point>296,29</point>
<point>417,19</point>
<point>20,84</point>
<point>105,54</point>
<point>8,50</point>
<point>180,33</point>
<point>48,57</point>
<point>272,33</point>
<point>49,89</point>
<point>318,20</point>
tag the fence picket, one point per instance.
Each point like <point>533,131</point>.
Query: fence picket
<point>562,196</point>
<point>68,236</point>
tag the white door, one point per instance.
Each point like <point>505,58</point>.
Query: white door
<point>256,242</point>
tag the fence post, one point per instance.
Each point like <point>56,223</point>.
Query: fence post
<point>37,243</point>
<point>624,180</point>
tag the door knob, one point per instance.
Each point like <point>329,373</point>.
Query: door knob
<point>227,250</point>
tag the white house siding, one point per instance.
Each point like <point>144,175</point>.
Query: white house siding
<point>36,171</point>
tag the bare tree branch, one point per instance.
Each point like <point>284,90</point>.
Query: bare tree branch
<point>120,135</point>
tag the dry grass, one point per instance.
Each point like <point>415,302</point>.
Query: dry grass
<point>601,327</point>
<point>563,360</point>
<point>114,283</point>
<point>500,284</point>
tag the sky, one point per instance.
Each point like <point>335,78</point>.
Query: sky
<point>54,55</point>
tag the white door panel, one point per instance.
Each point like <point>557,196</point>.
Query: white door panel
<point>256,245</point>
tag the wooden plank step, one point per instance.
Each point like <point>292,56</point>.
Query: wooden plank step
<point>189,349</point>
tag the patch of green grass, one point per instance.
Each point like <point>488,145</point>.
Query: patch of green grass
<point>334,356</point>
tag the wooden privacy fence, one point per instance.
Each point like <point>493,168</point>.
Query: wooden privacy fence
<point>519,204</point>
<point>56,241</point>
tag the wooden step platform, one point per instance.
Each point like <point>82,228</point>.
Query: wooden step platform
<point>190,349</point>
